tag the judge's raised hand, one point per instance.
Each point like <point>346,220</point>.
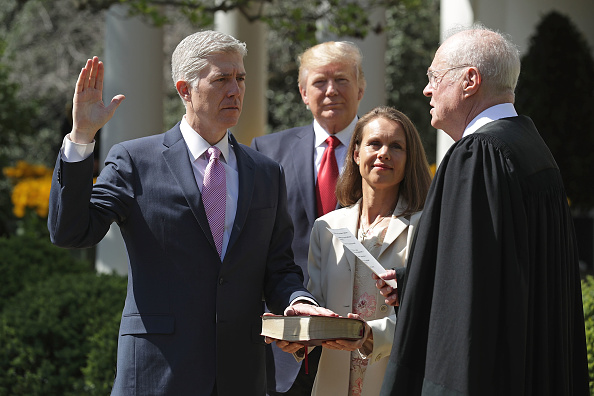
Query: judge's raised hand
<point>89,113</point>
<point>390,294</point>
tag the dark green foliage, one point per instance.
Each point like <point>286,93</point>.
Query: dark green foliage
<point>298,19</point>
<point>413,37</point>
<point>47,42</point>
<point>99,372</point>
<point>556,89</point>
<point>58,321</point>
<point>26,260</point>
<point>282,20</point>
<point>32,225</point>
<point>588,301</point>
<point>285,107</point>
<point>14,115</point>
<point>15,123</point>
<point>50,329</point>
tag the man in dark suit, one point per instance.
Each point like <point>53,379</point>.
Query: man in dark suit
<point>205,224</point>
<point>332,84</point>
<point>491,300</point>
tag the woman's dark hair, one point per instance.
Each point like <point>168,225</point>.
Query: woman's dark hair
<point>417,178</point>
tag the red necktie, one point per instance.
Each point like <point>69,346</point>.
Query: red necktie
<point>327,176</point>
<point>214,194</point>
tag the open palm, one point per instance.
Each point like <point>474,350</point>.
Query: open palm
<point>89,113</point>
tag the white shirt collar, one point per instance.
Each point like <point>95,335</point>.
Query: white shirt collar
<point>491,114</point>
<point>197,146</point>
<point>344,136</point>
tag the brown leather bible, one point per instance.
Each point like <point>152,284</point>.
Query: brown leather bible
<point>311,330</point>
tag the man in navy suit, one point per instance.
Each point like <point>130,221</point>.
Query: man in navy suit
<point>191,320</point>
<point>332,84</point>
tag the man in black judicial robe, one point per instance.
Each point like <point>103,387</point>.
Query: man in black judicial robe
<point>490,303</point>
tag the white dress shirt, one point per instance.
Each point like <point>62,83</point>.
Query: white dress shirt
<point>197,150</point>
<point>491,114</point>
<point>320,145</point>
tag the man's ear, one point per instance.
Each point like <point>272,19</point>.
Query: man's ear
<point>303,93</point>
<point>472,81</point>
<point>184,89</point>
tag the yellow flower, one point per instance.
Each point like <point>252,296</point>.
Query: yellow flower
<point>33,183</point>
<point>32,188</point>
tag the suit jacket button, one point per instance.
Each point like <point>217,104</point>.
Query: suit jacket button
<point>383,308</point>
<point>220,281</point>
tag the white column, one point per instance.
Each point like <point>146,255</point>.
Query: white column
<point>453,13</point>
<point>373,48</point>
<point>133,67</point>
<point>253,120</point>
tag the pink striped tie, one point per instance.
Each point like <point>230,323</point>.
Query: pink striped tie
<point>214,194</point>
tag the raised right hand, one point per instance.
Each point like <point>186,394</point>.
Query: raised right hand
<point>89,114</point>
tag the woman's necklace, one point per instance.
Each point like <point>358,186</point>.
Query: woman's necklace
<point>365,232</point>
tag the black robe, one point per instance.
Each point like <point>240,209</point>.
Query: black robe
<point>491,302</point>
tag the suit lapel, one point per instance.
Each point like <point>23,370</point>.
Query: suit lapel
<point>396,227</point>
<point>245,168</point>
<point>177,159</point>
<point>303,168</point>
<point>350,221</point>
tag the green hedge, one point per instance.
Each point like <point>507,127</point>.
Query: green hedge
<point>27,260</point>
<point>561,107</point>
<point>58,322</point>
<point>49,332</point>
<point>588,301</point>
<point>99,371</point>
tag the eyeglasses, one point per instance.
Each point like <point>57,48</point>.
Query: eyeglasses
<point>434,79</point>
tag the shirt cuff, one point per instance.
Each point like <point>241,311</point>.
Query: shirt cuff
<point>76,152</point>
<point>304,299</point>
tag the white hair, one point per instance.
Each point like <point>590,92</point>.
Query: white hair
<point>494,54</point>
<point>191,54</point>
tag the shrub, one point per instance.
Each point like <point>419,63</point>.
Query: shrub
<point>100,370</point>
<point>49,329</point>
<point>556,89</point>
<point>27,260</point>
<point>15,122</point>
<point>413,37</point>
<point>588,301</point>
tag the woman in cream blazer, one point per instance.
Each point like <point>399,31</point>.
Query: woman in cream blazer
<point>332,286</point>
<point>383,189</point>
